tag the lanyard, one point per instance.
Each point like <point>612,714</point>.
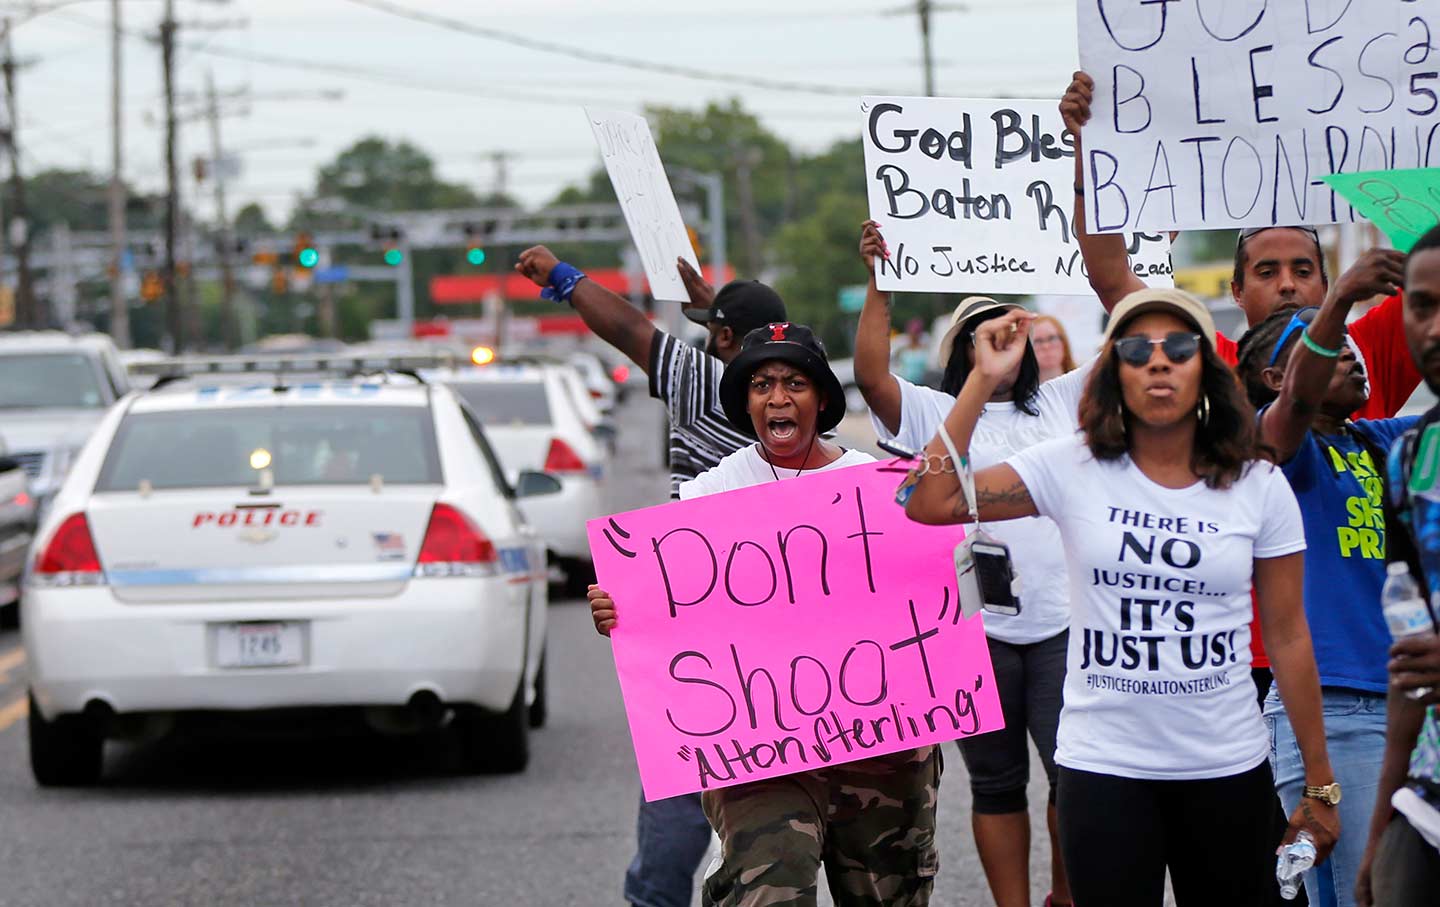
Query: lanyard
<point>964,473</point>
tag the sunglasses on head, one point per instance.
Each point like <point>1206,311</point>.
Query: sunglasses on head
<point>1251,231</point>
<point>1298,322</point>
<point>1178,347</point>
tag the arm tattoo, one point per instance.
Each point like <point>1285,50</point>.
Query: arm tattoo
<point>1017,495</point>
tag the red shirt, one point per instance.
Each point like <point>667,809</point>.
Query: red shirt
<point>1379,334</point>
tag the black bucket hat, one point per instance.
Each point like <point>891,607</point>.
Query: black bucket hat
<point>795,344</point>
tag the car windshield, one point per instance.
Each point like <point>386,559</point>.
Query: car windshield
<point>309,445</point>
<point>49,381</point>
<point>501,403</point>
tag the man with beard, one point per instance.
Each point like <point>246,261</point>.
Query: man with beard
<point>673,834</point>
<point>1401,867</point>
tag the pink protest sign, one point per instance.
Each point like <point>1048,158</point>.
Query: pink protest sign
<point>787,627</point>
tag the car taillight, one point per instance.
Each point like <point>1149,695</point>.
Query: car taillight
<point>562,458</point>
<point>621,374</point>
<point>596,395</point>
<point>454,546</point>
<point>70,558</point>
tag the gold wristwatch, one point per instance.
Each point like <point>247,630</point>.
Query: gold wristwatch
<point>1329,794</point>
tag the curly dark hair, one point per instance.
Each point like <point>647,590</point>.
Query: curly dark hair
<point>1224,446</point>
<point>957,370</point>
<point>1254,351</point>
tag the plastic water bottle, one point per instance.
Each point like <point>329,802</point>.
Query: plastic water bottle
<point>1294,860</point>
<point>1405,611</point>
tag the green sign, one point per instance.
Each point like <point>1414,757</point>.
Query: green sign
<point>1404,204</point>
<point>851,299</point>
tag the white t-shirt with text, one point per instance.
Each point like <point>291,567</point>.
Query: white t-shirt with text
<point>746,467</point>
<point>1003,431</point>
<point>1157,682</point>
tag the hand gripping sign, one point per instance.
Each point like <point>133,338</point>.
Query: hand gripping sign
<point>786,627</point>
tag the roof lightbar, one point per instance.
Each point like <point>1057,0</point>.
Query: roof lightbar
<point>185,366</point>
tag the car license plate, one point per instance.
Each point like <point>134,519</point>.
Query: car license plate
<point>255,645</point>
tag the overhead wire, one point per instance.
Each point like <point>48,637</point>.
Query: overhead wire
<point>575,52</point>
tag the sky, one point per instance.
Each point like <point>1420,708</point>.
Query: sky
<point>463,97</point>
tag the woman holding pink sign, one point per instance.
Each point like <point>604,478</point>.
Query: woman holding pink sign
<point>871,823</point>
<point>1168,518</point>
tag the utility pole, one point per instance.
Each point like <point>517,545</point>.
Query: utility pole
<point>119,309</point>
<point>924,9</point>
<point>28,311</point>
<point>502,173</point>
<point>745,160</point>
<point>174,317</point>
<point>222,232</point>
<point>927,58</point>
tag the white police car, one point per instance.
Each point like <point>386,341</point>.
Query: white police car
<point>264,543</point>
<point>530,414</point>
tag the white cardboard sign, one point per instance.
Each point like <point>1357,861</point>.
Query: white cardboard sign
<point>644,192</point>
<point>976,196</point>
<point>1212,114</point>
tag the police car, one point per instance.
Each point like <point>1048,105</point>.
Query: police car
<point>530,413</point>
<point>282,540</point>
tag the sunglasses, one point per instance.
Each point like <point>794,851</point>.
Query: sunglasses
<point>1178,347</point>
<point>1298,322</point>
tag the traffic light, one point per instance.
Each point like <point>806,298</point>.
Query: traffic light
<point>306,255</point>
<point>475,236</point>
<point>391,240</point>
<point>151,286</point>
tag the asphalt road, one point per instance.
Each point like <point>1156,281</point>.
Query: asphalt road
<point>356,819</point>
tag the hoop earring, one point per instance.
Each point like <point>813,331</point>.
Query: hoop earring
<point>1202,412</point>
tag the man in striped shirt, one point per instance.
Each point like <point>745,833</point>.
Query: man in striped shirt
<point>672,834</point>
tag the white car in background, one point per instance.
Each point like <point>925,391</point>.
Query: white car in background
<point>254,543</point>
<point>598,383</point>
<point>54,390</point>
<point>533,418</point>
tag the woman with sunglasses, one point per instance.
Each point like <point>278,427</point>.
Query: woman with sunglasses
<point>1298,368</point>
<point>1027,650</point>
<point>1168,519</point>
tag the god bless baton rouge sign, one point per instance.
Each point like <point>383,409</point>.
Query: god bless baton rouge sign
<point>786,627</point>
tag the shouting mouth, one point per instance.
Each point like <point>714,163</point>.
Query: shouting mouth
<point>782,429</point>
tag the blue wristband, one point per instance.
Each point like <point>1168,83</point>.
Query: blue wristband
<point>563,280</point>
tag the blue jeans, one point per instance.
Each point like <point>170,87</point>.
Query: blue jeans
<point>1355,738</point>
<point>671,839</point>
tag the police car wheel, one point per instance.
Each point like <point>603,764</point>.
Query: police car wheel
<point>495,744</point>
<point>540,708</point>
<point>66,752</point>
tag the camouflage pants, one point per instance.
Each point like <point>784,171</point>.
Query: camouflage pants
<point>871,823</point>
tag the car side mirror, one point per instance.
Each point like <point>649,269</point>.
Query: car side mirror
<point>536,484</point>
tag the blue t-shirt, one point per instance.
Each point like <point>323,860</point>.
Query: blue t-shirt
<point>1340,490</point>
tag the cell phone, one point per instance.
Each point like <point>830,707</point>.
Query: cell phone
<point>995,578</point>
<point>985,576</point>
<point>897,450</point>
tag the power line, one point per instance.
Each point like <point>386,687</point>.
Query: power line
<point>593,56</point>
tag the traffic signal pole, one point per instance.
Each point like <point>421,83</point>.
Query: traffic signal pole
<point>119,308</point>
<point>405,290</point>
